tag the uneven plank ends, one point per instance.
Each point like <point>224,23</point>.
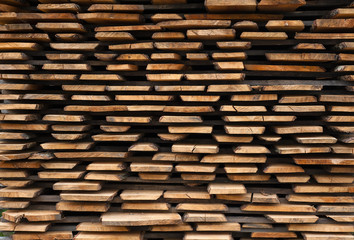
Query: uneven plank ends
<point>177,119</point>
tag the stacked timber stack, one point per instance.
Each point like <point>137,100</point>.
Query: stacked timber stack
<point>177,119</point>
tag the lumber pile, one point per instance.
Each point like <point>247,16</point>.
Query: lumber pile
<point>177,119</point>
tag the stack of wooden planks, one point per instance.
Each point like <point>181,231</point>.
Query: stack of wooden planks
<point>177,119</point>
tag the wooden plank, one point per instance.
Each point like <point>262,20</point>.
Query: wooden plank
<point>285,25</point>
<point>304,35</point>
<point>321,227</point>
<point>98,227</point>
<point>31,215</point>
<point>202,207</point>
<point>65,7</point>
<point>233,158</point>
<point>207,236</point>
<point>48,235</point>
<point>204,217</point>
<point>292,218</point>
<point>319,198</point>
<point>280,5</point>
<point>13,192</point>
<point>82,206</point>
<point>226,188</point>
<point>211,34</point>
<point>283,68</point>
<point>302,57</point>
<point>278,208</point>
<point>332,25</point>
<point>188,24</point>
<point>320,236</point>
<point>99,196</point>
<point>274,234</point>
<point>60,27</point>
<point>102,236</point>
<point>104,17</point>
<point>264,35</point>
<point>229,226</point>
<point>230,5</point>
<point>140,219</point>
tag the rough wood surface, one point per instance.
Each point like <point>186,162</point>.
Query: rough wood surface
<point>177,119</point>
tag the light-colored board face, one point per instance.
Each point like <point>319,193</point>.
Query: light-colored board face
<point>104,176</point>
<point>302,57</point>
<point>141,194</point>
<point>264,36</point>
<point>140,219</point>
<point>195,148</point>
<point>116,137</point>
<point>60,27</point>
<point>32,227</point>
<point>265,198</point>
<point>187,24</point>
<point>248,177</point>
<point>328,25</point>
<point>204,217</point>
<point>106,166</point>
<point>168,36</point>
<point>274,234</point>
<point>278,208</point>
<point>114,36</point>
<point>236,158</point>
<point>146,206</point>
<point>59,164</point>
<point>199,236</point>
<point>292,178</point>
<point>226,188</point>
<point>13,192</point>
<point>321,227</point>
<point>240,168</point>
<point>292,218</point>
<point>285,25</point>
<point>151,167</point>
<point>154,176</point>
<point>100,196</point>
<point>82,207</point>
<point>321,188</point>
<point>211,34</point>
<point>98,227</point>
<point>204,168</point>
<point>74,46</point>
<point>171,136</point>
<point>229,226</point>
<point>115,7</point>
<point>246,25</point>
<point>49,234</point>
<point>13,205</point>
<point>172,228</point>
<point>99,17</point>
<point>279,5</point>
<point>61,174</point>
<point>227,6</point>
<point>66,7</point>
<point>186,195</point>
<point>77,186</point>
<point>32,215</point>
<point>108,236</point>
<point>283,68</point>
<point>247,149</point>
<point>309,36</point>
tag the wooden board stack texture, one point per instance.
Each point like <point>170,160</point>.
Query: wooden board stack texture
<point>177,119</point>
